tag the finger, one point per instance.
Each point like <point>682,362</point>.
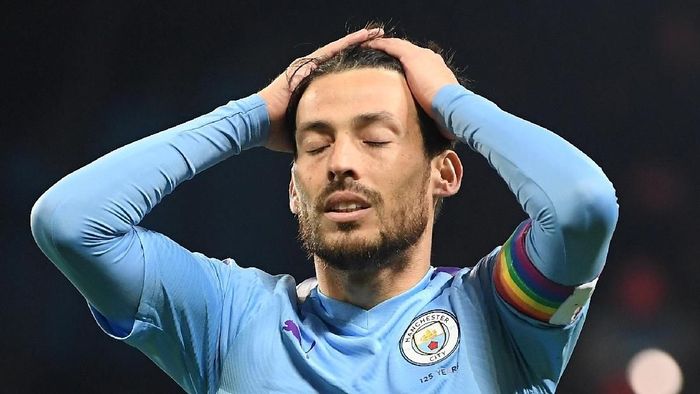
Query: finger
<point>338,45</point>
<point>395,47</point>
<point>350,39</point>
<point>356,38</point>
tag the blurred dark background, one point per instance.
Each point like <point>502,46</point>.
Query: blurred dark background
<point>620,80</point>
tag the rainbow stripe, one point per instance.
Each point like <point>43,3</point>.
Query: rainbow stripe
<point>521,285</point>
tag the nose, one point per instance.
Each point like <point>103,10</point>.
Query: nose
<point>342,161</point>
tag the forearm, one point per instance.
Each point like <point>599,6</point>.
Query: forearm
<point>85,223</point>
<point>571,202</point>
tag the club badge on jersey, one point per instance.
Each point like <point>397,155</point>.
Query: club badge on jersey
<point>430,338</point>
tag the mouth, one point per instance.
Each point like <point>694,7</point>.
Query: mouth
<point>345,207</point>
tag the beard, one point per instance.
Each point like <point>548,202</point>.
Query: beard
<point>399,229</point>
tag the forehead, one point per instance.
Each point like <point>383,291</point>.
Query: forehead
<point>337,97</point>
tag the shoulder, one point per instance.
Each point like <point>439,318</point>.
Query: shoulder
<point>459,275</point>
<point>252,276</point>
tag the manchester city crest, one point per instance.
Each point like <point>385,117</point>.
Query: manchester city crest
<point>430,338</point>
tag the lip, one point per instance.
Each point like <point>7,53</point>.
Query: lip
<point>343,217</point>
<point>346,197</point>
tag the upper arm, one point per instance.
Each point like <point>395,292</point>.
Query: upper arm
<point>178,321</point>
<point>571,230</point>
<point>178,307</point>
<point>566,194</point>
<point>190,311</point>
<point>141,286</point>
<point>521,284</point>
<point>105,264</point>
<point>533,320</point>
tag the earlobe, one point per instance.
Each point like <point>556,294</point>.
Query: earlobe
<point>449,170</point>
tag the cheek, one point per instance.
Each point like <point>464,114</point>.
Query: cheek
<point>405,189</point>
<point>304,191</point>
<point>303,198</point>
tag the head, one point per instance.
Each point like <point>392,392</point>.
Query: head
<point>371,167</point>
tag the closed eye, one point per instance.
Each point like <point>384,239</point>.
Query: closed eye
<point>376,143</point>
<point>317,150</point>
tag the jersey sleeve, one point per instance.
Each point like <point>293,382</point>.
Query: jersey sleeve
<point>181,322</point>
<point>190,310</point>
<point>532,353</point>
<point>571,203</point>
<point>537,285</point>
<point>143,287</point>
<point>521,285</point>
<point>534,323</point>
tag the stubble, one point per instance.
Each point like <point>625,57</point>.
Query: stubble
<point>400,228</point>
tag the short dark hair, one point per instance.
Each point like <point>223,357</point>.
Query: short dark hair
<point>357,57</point>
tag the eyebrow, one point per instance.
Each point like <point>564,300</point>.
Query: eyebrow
<point>317,125</point>
<point>358,122</point>
<point>366,119</point>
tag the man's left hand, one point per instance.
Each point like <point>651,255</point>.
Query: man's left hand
<point>426,71</point>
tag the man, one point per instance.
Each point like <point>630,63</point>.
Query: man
<point>369,173</point>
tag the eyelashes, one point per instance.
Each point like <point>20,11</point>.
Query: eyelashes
<point>376,143</point>
<point>317,150</point>
<point>372,144</point>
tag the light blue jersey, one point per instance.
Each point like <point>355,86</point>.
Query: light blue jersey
<point>509,324</point>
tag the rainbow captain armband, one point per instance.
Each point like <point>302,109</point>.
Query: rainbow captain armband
<point>522,286</point>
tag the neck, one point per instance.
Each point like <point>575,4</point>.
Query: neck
<point>368,288</point>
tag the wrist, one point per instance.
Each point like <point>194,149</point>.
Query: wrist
<point>276,106</point>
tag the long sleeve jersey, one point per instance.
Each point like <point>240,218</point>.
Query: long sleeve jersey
<point>507,323</point>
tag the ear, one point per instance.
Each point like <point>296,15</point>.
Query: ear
<point>293,196</point>
<point>447,174</point>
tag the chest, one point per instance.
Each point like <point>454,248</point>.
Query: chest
<point>429,349</point>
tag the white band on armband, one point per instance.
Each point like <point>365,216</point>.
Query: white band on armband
<point>569,309</point>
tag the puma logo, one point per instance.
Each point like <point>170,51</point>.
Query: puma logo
<point>294,329</point>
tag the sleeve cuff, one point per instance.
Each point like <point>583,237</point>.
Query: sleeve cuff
<point>443,102</point>
<point>255,111</point>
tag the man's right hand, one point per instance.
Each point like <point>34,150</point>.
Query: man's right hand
<point>276,95</point>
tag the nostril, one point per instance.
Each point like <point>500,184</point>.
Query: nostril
<point>344,175</point>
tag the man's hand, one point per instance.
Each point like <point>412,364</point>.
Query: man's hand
<point>426,71</point>
<point>277,93</point>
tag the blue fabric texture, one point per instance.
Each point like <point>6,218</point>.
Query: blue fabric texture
<point>216,327</point>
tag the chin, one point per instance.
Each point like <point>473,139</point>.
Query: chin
<point>351,235</point>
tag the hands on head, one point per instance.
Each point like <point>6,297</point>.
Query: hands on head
<point>426,72</point>
<point>277,93</point>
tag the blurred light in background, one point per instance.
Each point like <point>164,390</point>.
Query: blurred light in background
<point>643,289</point>
<point>660,188</point>
<point>653,371</point>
